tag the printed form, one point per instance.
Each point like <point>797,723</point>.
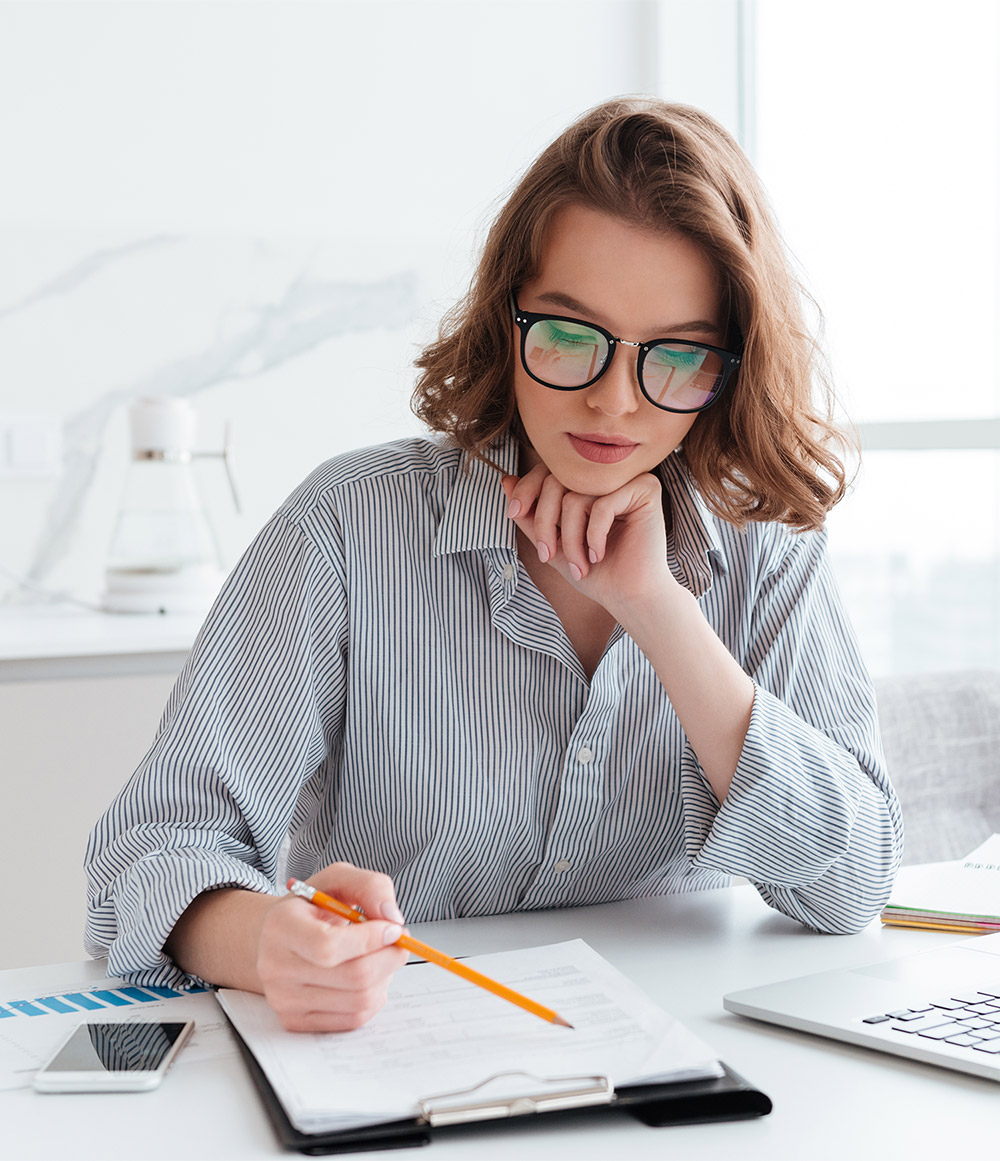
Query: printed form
<point>439,1036</point>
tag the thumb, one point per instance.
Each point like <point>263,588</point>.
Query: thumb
<point>364,938</point>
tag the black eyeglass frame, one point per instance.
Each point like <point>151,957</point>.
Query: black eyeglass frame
<point>525,320</point>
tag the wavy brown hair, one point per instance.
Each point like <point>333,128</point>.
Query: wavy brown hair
<point>768,449</point>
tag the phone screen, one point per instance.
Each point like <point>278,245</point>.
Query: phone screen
<point>126,1047</point>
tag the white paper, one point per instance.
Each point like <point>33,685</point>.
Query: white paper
<point>439,1034</point>
<point>27,1042</point>
<point>969,886</point>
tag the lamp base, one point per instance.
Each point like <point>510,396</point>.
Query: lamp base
<point>186,589</point>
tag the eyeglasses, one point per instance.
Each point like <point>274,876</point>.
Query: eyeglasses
<point>568,354</point>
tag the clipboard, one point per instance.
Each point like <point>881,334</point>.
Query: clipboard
<point>725,1098</point>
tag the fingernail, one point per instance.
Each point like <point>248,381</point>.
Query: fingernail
<point>392,912</point>
<point>575,572</point>
<point>543,552</point>
<point>593,557</point>
<point>513,508</point>
<point>391,933</point>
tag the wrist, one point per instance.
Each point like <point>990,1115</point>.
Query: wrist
<point>647,612</point>
<point>217,938</point>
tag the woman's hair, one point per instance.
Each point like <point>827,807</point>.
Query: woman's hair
<point>763,451</point>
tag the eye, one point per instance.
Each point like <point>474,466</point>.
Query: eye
<point>571,336</point>
<point>679,358</point>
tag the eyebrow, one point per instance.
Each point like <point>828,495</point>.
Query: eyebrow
<point>567,302</point>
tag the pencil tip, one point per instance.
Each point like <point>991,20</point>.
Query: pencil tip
<point>564,1023</point>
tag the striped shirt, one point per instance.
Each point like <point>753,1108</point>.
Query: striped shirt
<point>381,682</point>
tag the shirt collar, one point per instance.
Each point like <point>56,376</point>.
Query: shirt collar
<point>475,514</point>
<point>694,535</point>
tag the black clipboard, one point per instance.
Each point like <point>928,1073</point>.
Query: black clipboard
<point>724,1098</point>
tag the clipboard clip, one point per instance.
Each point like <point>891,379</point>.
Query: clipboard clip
<point>556,1093</point>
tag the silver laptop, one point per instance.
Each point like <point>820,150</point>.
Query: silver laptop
<point>940,1006</point>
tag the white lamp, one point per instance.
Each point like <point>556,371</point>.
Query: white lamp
<point>163,556</point>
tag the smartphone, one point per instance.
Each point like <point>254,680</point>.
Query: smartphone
<point>132,1056</point>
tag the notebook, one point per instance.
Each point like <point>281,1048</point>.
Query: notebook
<point>940,1006</point>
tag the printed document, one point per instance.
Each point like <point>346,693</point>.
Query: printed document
<point>439,1035</point>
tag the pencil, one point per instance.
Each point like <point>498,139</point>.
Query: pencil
<point>929,925</point>
<point>431,954</point>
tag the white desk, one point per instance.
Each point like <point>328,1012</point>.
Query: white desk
<point>830,1100</point>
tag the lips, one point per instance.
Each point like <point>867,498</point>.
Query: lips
<point>602,449</point>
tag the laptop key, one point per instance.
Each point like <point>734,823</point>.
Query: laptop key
<point>875,1019</point>
<point>991,1046</point>
<point>925,1025</point>
<point>967,1041</point>
<point>942,1032</point>
<point>948,1005</point>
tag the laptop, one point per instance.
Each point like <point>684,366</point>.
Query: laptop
<point>940,1006</point>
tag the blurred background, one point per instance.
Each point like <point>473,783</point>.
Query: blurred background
<point>263,207</point>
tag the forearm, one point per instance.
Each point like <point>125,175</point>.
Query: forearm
<point>810,818</point>
<point>218,935</point>
<point>711,695</point>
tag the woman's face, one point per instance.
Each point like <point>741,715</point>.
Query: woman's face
<point>638,285</point>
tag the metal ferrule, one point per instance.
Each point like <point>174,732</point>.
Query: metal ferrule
<point>303,890</point>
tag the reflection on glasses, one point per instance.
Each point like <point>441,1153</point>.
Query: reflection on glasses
<point>569,354</point>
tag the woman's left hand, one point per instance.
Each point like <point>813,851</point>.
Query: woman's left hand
<point>611,548</point>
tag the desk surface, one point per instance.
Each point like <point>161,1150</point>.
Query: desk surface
<point>45,642</point>
<point>831,1100</point>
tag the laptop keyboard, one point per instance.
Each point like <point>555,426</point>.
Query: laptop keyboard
<point>967,1019</point>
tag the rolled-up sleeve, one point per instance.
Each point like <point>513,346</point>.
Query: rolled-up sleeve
<point>811,817</point>
<point>253,716</point>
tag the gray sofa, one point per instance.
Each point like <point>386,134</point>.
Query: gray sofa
<point>942,745</point>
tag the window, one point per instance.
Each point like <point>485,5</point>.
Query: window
<point>877,133</point>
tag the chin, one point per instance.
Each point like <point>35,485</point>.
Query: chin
<point>590,480</point>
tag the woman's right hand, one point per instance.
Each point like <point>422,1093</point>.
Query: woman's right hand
<point>321,973</point>
<point>318,972</point>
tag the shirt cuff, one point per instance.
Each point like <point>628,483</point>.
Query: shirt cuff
<point>151,898</point>
<point>792,805</point>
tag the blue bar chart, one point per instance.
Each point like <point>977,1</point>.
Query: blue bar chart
<point>89,1001</point>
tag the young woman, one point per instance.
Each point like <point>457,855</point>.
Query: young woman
<point>583,646</point>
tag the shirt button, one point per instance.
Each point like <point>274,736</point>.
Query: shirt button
<point>562,865</point>
<point>585,755</point>
<point>508,572</point>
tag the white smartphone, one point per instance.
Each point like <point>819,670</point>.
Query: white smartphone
<point>132,1056</point>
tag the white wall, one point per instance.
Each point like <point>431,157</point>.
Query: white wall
<point>264,206</point>
<point>220,200</point>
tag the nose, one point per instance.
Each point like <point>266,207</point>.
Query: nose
<point>617,390</point>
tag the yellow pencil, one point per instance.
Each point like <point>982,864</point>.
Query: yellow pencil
<point>929,925</point>
<point>431,954</point>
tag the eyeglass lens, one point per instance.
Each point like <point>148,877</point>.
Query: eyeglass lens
<point>678,375</point>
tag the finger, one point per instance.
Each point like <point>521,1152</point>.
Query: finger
<point>307,997</point>
<point>323,940</point>
<point>371,891</point>
<point>602,517</point>
<point>523,493</point>
<point>300,1005</point>
<point>548,511</point>
<point>355,975</point>
<point>301,1021</point>
<point>573,527</point>
<point>305,1011</point>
